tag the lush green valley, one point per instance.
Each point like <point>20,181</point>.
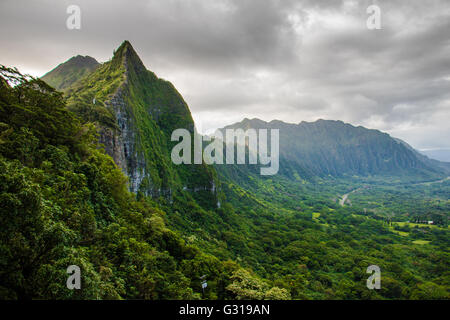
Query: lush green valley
<point>87,180</point>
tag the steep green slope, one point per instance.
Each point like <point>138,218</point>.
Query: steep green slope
<point>69,72</point>
<point>136,113</point>
<point>64,202</point>
<point>441,165</point>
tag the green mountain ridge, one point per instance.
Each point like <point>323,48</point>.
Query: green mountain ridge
<point>136,113</point>
<point>64,202</point>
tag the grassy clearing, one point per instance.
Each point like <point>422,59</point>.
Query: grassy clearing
<point>401,233</point>
<point>421,242</point>
<point>413,225</point>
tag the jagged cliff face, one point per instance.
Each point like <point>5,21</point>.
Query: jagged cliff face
<point>136,112</point>
<point>120,143</point>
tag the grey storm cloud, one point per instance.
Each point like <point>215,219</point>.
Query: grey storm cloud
<point>291,60</point>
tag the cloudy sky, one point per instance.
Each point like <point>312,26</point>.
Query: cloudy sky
<point>291,60</point>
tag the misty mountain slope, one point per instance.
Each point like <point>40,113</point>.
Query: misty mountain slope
<point>69,72</point>
<point>445,166</point>
<point>135,113</point>
<point>334,148</point>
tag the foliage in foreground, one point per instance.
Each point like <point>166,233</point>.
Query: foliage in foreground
<point>64,202</point>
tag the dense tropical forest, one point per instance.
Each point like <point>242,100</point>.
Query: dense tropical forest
<point>140,227</point>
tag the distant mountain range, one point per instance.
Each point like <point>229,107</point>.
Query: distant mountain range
<point>334,148</point>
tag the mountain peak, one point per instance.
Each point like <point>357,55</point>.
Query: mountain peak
<point>126,55</point>
<point>249,123</point>
<point>83,60</point>
<point>124,47</point>
<point>70,71</point>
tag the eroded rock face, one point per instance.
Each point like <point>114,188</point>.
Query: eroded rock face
<point>136,113</point>
<point>120,144</point>
<point>147,109</point>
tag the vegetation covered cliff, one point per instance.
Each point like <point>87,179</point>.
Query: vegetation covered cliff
<point>63,202</point>
<point>136,112</point>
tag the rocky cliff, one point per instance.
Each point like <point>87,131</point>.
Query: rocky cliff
<point>135,113</point>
